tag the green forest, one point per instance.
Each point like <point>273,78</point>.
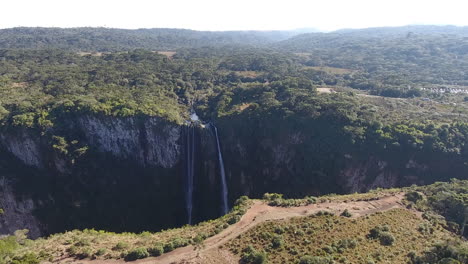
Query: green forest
<point>419,65</point>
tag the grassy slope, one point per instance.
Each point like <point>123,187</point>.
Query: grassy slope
<point>420,236</point>
<point>321,236</point>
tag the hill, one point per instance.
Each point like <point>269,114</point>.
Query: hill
<point>108,39</point>
<point>406,57</point>
<point>383,226</point>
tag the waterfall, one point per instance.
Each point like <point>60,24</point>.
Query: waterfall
<point>190,156</point>
<point>224,188</point>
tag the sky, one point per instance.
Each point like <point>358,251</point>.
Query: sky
<point>324,15</point>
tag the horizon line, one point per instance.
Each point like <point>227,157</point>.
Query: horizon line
<point>309,29</point>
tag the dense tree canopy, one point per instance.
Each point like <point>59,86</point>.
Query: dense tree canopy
<point>225,79</point>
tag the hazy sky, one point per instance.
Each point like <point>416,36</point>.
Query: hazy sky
<point>232,14</point>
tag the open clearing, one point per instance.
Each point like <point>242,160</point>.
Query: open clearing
<point>169,54</point>
<point>330,70</point>
<point>325,90</point>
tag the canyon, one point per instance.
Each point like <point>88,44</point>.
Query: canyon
<point>133,174</point>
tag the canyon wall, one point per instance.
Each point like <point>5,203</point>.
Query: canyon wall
<point>127,174</point>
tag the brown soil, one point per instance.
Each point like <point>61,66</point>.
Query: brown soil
<point>325,90</point>
<point>244,106</point>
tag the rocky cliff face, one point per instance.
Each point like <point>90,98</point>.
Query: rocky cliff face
<point>24,146</point>
<point>126,156</point>
<point>18,212</point>
<point>272,157</point>
<point>372,173</point>
<point>150,142</point>
<point>132,176</point>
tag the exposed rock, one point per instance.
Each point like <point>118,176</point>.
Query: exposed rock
<point>119,136</point>
<point>162,143</point>
<point>354,177</point>
<point>385,179</point>
<point>18,213</point>
<point>23,146</point>
<point>154,143</point>
<point>370,174</point>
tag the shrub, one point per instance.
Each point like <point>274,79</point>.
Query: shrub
<point>241,200</point>
<point>299,232</point>
<point>279,230</point>
<point>346,213</point>
<point>7,246</point>
<point>414,196</point>
<point>425,229</point>
<point>82,243</point>
<point>252,256</point>
<point>328,249</point>
<point>26,120</point>
<point>84,253</point>
<point>323,213</point>
<point>375,232</point>
<point>272,196</point>
<point>293,251</point>
<point>346,243</point>
<point>447,252</point>
<point>310,200</point>
<point>233,219</point>
<point>100,252</point>
<point>168,247</point>
<point>120,246</point>
<point>21,236</point>
<point>29,258</point>
<point>386,239</point>
<point>448,261</point>
<point>198,239</point>
<point>179,242</point>
<point>145,234</point>
<point>137,253</point>
<point>73,250</point>
<point>315,260</point>
<point>277,241</point>
<point>382,233</point>
<point>156,250</point>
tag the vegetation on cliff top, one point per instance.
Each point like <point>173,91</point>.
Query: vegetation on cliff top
<point>39,88</point>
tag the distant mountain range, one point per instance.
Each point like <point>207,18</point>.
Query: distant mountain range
<point>109,39</point>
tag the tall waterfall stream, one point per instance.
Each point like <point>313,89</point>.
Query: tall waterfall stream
<point>190,167</point>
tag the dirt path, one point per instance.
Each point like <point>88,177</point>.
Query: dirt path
<point>212,252</point>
